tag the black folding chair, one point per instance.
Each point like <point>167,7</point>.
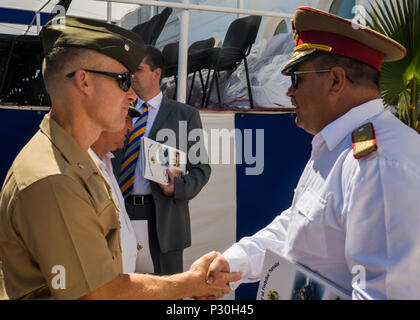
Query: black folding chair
<point>170,56</point>
<point>195,63</point>
<point>236,47</point>
<point>170,53</point>
<point>150,30</point>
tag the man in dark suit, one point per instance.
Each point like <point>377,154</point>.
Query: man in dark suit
<point>165,208</point>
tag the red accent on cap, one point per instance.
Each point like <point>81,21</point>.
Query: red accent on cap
<point>344,46</point>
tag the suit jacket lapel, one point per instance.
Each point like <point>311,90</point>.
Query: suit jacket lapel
<point>163,113</point>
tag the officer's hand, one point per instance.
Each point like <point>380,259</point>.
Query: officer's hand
<point>169,190</point>
<point>219,286</point>
<point>217,270</point>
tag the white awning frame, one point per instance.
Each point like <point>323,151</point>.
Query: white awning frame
<point>185,6</point>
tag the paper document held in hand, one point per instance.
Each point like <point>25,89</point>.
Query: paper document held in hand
<point>156,158</point>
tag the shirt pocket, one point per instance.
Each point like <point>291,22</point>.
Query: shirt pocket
<point>104,202</point>
<point>108,217</point>
<point>110,227</point>
<point>307,229</point>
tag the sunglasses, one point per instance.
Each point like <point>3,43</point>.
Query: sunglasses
<point>124,79</point>
<point>295,74</point>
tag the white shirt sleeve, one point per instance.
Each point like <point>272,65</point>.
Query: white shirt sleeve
<point>383,223</point>
<point>247,255</point>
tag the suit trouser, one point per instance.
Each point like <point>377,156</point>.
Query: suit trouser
<point>167,263</point>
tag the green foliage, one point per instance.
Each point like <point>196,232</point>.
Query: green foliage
<point>400,80</point>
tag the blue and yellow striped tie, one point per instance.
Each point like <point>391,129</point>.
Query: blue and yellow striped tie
<point>128,167</point>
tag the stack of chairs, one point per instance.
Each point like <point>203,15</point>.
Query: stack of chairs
<point>171,52</point>
<point>237,45</point>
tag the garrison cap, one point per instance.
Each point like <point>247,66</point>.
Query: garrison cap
<point>133,112</point>
<point>319,31</point>
<point>111,40</point>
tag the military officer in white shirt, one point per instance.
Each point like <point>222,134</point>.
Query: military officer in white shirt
<point>354,207</point>
<point>101,153</point>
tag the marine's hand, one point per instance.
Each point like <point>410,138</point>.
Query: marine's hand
<point>169,190</point>
<point>219,286</point>
<point>218,270</point>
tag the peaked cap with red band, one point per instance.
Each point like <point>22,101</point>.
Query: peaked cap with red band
<point>318,31</point>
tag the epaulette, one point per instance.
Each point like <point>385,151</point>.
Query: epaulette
<point>364,141</point>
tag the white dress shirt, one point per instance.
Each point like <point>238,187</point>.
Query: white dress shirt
<point>128,237</point>
<point>142,185</point>
<point>348,213</point>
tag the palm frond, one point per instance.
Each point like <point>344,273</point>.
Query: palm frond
<point>400,20</point>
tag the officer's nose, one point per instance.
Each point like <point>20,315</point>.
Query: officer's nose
<point>291,91</point>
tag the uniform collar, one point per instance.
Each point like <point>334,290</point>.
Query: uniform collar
<point>64,142</point>
<point>337,130</point>
<point>153,103</point>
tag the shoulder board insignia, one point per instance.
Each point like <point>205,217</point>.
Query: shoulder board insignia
<point>364,141</point>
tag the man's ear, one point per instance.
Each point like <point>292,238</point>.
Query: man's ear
<point>338,80</point>
<point>158,73</point>
<point>82,81</point>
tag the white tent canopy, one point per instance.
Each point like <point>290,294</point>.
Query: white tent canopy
<point>79,8</point>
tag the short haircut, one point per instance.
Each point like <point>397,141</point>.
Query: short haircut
<point>154,58</point>
<point>360,72</point>
<point>59,59</point>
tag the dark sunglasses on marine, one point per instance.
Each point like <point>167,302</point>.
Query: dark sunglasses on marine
<point>124,79</point>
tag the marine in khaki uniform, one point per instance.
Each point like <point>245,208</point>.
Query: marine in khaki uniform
<point>59,227</point>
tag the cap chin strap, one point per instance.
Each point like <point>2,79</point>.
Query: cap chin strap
<point>309,46</point>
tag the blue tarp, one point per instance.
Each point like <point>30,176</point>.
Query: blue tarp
<point>261,198</point>
<point>17,16</point>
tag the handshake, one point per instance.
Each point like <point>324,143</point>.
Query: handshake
<point>210,277</point>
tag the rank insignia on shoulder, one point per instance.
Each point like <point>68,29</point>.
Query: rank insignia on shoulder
<point>364,141</point>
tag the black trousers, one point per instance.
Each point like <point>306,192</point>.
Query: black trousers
<point>167,263</point>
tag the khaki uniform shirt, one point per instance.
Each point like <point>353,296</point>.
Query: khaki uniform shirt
<point>59,227</point>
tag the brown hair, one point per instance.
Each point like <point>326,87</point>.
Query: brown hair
<point>154,59</point>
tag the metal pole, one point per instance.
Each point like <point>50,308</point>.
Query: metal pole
<point>205,8</point>
<point>109,12</point>
<point>240,6</point>
<point>151,8</point>
<point>38,22</point>
<point>183,55</point>
<point>184,25</point>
